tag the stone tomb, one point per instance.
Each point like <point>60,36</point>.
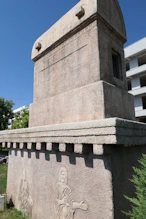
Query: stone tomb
<point>75,159</point>
<point>74,76</point>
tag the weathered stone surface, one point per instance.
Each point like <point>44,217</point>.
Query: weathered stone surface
<point>29,145</point>
<point>62,147</point>
<point>107,10</point>
<point>113,131</point>
<point>74,68</point>
<point>105,101</point>
<point>87,190</point>
<point>93,177</point>
<point>98,149</point>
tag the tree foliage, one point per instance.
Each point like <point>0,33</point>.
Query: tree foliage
<point>139,201</point>
<point>6,113</point>
<point>21,120</point>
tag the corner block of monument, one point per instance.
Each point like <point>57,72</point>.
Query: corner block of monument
<point>62,147</point>
<point>98,149</point>
<point>29,145</point>
<point>78,148</point>
<point>38,146</point>
<point>49,146</point>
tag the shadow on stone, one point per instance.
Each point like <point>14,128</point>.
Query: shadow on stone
<point>47,155</point>
<point>58,157</point>
<point>72,158</point>
<point>15,151</point>
<point>29,154</point>
<point>37,154</point>
<point>22,153</point>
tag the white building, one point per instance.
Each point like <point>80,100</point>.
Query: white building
<point>18,111</point>
<point>135,56</point>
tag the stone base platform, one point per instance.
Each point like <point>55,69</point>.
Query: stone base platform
<point>75,171</point>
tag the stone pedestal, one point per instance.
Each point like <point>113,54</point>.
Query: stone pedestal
<point>82,169</point>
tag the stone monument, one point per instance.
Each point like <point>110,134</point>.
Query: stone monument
<point>75,159</point>
<point>79,72</point>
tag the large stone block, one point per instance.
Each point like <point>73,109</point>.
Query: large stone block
<point>72,58</point>
<point>69,66</point>
<point>70,106</point>
<point>51,185</point>
<point>98,100</point>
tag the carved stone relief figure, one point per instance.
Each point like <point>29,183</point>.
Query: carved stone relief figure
<point>25,200</point>
<point>65,205</point>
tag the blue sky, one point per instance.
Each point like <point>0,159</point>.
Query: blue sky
<point>22,22</point>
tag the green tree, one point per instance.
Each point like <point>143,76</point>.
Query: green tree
<point>138,203</point>
<point>21,120</point>
<point>6,113</point>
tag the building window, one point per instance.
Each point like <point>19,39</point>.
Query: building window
<point>117,67</point>
<point>129,85</point>
<point>142,120</point>
<point>143,81</point>
<point>144,102</point>
<point>127,66</point>
<point>142,60</point>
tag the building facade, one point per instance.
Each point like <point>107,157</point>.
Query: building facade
<point>135,56</point>
<point>19,110</point>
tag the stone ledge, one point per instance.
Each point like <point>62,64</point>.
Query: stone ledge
<point>112,131</point>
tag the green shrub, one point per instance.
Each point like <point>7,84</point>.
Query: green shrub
<point>138,203</point>
<point>10,204</point>
<point>12,214</point>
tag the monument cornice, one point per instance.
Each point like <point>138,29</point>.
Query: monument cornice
<point>112,131</point>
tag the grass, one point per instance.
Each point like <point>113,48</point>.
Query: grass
<point>12,214</point>
<point>3,149</point>
<point>3,178</point>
